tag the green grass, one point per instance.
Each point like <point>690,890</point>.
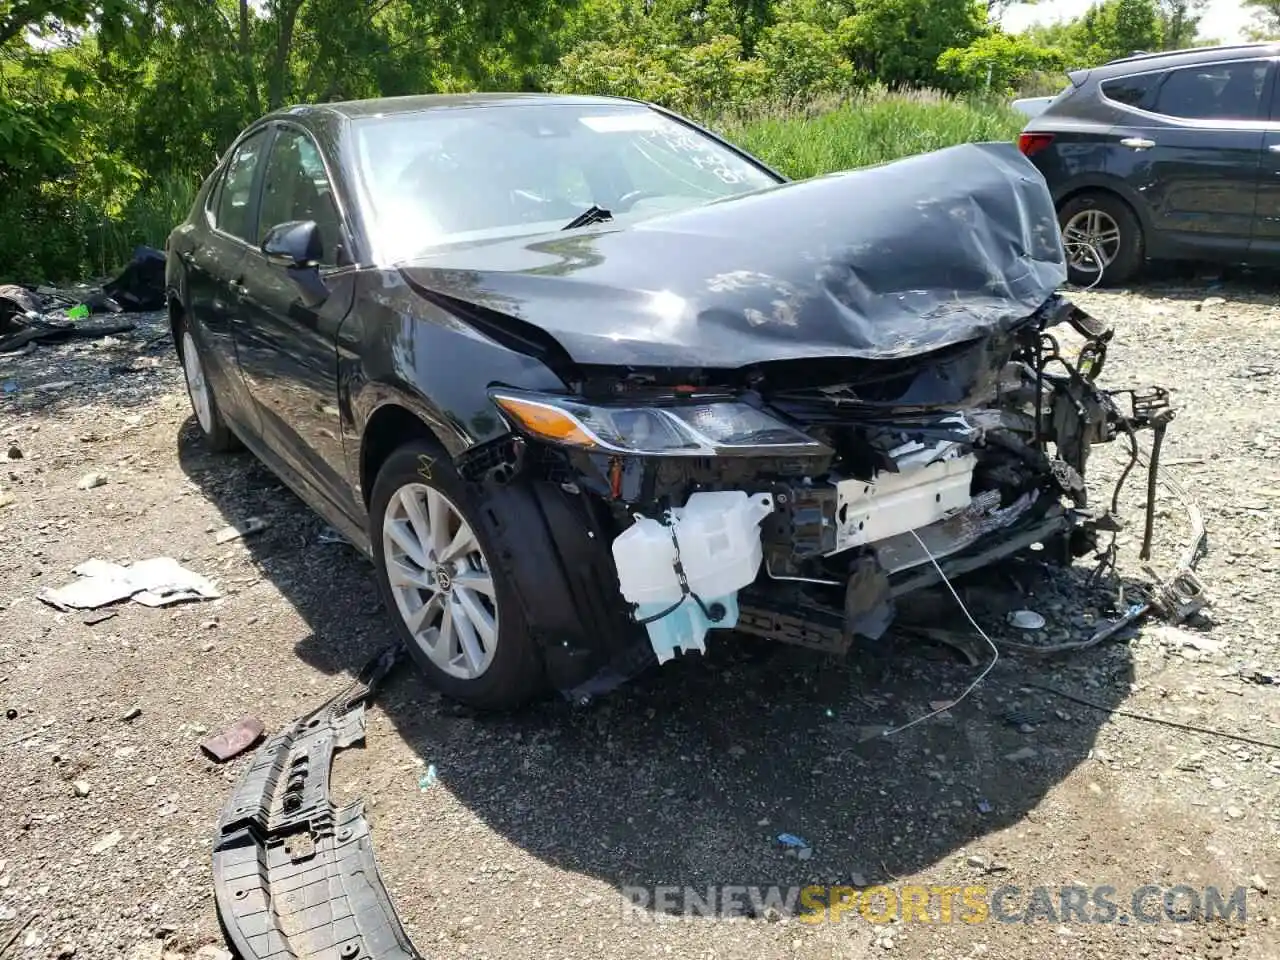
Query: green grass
<point>870,128</point>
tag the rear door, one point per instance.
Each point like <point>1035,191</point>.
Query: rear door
<point>214,269</point>
<point>287,347</point>
<point>1192,150</point>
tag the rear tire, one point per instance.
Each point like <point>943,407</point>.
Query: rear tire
<point>453,608</point>
<point>217,435</point>
<point>1102,223</point>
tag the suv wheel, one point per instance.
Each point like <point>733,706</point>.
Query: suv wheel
<point>454,608</point>
<point>1101,234</point>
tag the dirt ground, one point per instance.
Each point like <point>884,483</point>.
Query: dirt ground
<point>538,827</point>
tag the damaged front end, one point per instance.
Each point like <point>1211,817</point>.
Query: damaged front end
<point>798,499</point>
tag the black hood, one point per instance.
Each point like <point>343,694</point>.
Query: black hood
<point>885,262</point>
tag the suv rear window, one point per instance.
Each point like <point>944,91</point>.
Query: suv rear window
<point>1214,91</point>
<point>1131,91</point>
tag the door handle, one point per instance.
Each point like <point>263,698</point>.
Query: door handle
<point>1137,143</point>
<point>1274,147</point>
<point>186,256</point>
<point>238,287</point>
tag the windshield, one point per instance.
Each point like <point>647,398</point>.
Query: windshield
<point>450,175</point>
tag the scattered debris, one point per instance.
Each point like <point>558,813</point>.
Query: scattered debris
<point>15,452</point>
<point>1258,883</point>
<point>1026,620</point>
<point>5,499</point>
<point>245,528</point>
<point>154,583</point>
<point>1017,717</point>
<point>81,788</point>
<point>1177,637</point>
<point>132,714</point>
<point>330,535</point>
<point>984,806</point>
<point>106,843</point>
<point>140,285</point>
<point>211,952</point>
<point>428,779</point>
<point>17,932</point>
<point>91,480</point>
<point>92,619</point>
<point>1024,753</point>
<point>795,846</point>
<point>234,740</point>
<point>281,832</point>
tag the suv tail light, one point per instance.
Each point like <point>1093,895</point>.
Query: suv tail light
<point>1032,143</point>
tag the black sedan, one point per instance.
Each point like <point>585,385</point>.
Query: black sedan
<point>586,381</point>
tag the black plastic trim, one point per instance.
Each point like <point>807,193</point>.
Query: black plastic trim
<point>294,875</point>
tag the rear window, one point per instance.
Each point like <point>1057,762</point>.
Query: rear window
<point>1132,91</point>
<point>1219,91</point>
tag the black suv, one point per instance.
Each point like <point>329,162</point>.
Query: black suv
<point>1164,156</point>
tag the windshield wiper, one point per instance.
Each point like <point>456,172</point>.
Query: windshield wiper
<point>593,214</point>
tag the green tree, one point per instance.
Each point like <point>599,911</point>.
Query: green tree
<point>996,63</point>
<point>1180,22</point>
<point>1118,28</point>
<point>898,42</point>
<point>802,60</point>
<point>1266,16</point>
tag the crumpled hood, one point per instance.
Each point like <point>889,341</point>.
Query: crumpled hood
<point>883,262</point>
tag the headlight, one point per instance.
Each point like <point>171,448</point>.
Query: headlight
<point>724,428</point>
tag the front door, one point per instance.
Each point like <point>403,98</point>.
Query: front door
<point>1193,153</point>
<point>287,347</point>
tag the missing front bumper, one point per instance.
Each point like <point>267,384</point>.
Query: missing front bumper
<point>294,875</point>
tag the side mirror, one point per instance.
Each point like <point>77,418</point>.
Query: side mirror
<point>294,244</point>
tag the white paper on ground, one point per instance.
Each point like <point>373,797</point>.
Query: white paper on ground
<point>155,582</point>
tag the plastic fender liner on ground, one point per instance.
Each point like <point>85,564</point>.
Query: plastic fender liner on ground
<point>294,876</point>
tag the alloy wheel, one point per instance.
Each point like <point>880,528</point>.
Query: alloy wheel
<point>197,386</point>
<point>441,581</point>
<point>1092,240</point>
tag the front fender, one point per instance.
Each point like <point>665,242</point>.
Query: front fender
<point>397,348</point>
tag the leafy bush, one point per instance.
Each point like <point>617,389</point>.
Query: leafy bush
<point>996,64</point>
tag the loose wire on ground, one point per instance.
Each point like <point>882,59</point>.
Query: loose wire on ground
<point>1146,717</point>
<point>995,651</point>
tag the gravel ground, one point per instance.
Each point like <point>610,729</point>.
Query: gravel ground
<point>537,826</point>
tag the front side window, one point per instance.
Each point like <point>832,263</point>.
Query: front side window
<point>1214,91</point>
<point>235,198</point>
<point>449,175</point>
<point>296,187</point>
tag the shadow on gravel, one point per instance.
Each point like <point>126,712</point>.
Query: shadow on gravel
<point>686,776</point>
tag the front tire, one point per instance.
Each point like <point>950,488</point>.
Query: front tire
<point>1100,230</point>
<point>217,435</point>
<point>454,609</point>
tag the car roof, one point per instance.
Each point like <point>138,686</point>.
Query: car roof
<point>391,106</point>
<point>1190,56</point>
